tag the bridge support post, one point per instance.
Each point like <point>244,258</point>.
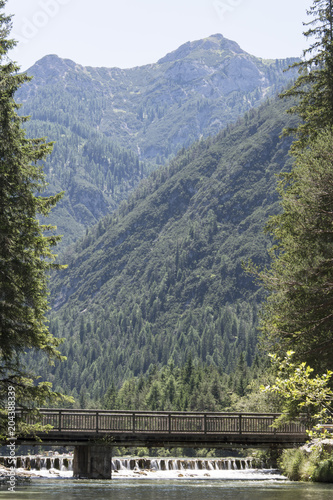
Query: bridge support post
<point>92,462</point>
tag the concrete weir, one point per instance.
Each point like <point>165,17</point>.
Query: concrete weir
<point>92,462</point>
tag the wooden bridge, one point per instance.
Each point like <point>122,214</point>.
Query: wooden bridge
<point>166,429</point>
<point>94,432</point>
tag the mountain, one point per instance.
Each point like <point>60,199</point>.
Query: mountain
<point>113,126</point>
<point>161,280</point>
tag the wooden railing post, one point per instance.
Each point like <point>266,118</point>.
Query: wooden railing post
<point>240,423</point>
<point>133,422</point>
<point>169,422</point>
<point>205,423</point>
<point>97,413</point>
<point>59,420</point>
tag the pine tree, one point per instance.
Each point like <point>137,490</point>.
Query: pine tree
<point>298,313</point>
<point>313,89</point>
<point>25,252</point>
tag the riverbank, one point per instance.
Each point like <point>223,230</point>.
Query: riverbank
<point>312,462</point>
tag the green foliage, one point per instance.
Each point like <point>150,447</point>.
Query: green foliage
<point>25,252</point>
<point>291,462</point>
<point>301,393</point>
<point>297,314</point>
<point>313,88</point>
<point>323,473</point>
<point>314,464</point>
<point>193,387</point>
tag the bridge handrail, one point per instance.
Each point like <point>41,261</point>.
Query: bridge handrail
<point>153,412</point>
<point>171,422</point>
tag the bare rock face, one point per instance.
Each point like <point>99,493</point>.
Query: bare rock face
<point>327,445</point>
<point>323,445</point>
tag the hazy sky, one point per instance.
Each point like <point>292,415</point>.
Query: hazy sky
<point>128,33</point>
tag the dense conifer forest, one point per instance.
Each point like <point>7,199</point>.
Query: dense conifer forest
<point>161,280</point>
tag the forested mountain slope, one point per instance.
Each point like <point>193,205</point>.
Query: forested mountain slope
<point>94,172</point>
<point>113,126</point>
<point>162,278</point>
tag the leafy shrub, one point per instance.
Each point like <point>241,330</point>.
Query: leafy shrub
<point>323,472</point>
<point>301,465</point>
<point>291,463</point>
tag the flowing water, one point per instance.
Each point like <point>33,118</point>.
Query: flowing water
<point>165,479</point>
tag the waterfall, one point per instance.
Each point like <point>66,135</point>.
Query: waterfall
<point>154,464</point>
<point>64,463</point>
<point>180,464</point>
<point>39,462</point>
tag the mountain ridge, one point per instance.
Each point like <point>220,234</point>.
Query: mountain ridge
<point>141,98</point>
<point>113,126</point>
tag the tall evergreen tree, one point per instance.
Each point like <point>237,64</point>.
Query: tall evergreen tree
<point>298,312</point>
<point>313,89</point>
<point>25,252</point>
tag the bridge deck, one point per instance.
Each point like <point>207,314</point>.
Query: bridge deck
<point>143,428</point>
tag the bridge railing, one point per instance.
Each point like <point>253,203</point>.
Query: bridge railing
<point>108,421</point>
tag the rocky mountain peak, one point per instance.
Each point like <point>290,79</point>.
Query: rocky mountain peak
<point>214,44</point>
<point>48,70</point>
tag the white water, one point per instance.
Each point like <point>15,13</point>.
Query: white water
<point>61,466</point>
<point>174,468</point>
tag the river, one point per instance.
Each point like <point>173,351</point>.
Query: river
<point>161,479</point>
<point>170,489</point>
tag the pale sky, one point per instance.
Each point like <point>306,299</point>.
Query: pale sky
<point>128,33</point>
